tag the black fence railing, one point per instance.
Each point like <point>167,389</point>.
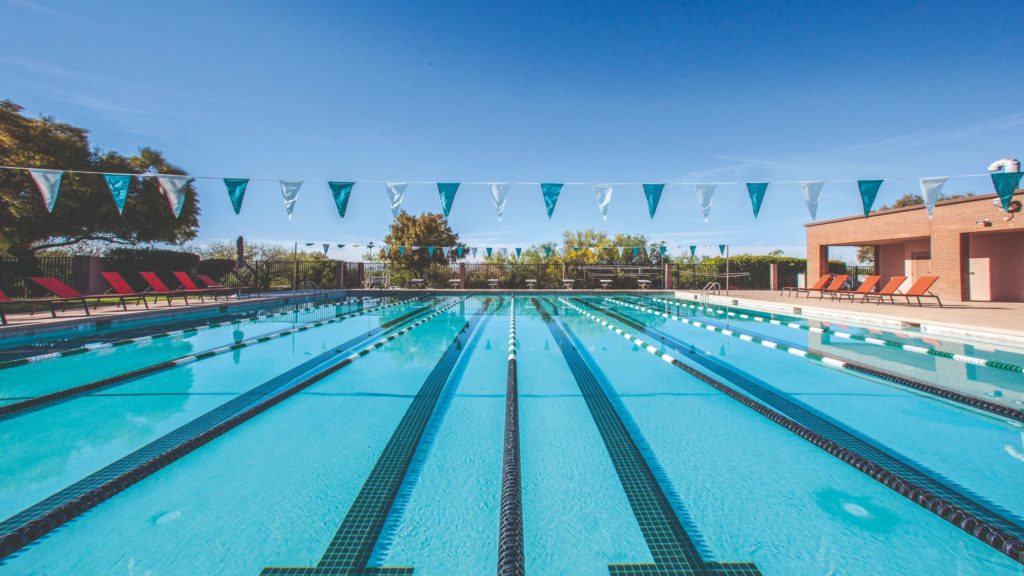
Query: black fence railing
<point>14,274</point>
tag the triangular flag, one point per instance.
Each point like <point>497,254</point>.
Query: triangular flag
<point>603,195</point>
<point>519,252</point>
<point>401,250</point>
<point>693,250</point>
<point>119,185</point>
<point>1005,184</point>
<point>705,192</point>
<point>636,251</point>
<point>621,249</point>
<point>664,249</point>
<point>721,249</point>
<point>447,190</point>
<point>290,193</point>
<point>499,193</point>
<point>930,189</point>
<point>430,251</point>
<point>550,192</point>
<point>547,251</point>
<point>341,245</point>
<point>593,249</point>
<point>489,250</point>
<point>458,250</point>
<point>472,251</point>
<point>756,191</point>
<point>309,243</point>
<point>396,193</point>
<point>387,250</point>
<point>173,188</point>
<point>812,191</point>
<point>503,251</point>
<point>236,191</point>
<point>446,250</point>
<point>48,182</point>
<point>326,248</point>
<point>341,191</point>
<point>653,193</point>
<point>868,193</point>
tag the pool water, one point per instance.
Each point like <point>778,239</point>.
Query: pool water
<point>375,436</point>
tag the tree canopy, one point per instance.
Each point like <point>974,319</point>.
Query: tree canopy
<point>580,244</point>
<point>427,229</point>
<point>85,209</point>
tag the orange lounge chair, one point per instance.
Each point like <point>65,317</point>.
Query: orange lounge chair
<point>157,286</point>
<point>834,287</point>
<point>63,294</point>
<point>815,288</point>
<point>189,284</point>
<point>921,289</point>
<point>866,286</point>
<point>890,290</point>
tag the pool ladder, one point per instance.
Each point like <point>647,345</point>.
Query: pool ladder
<point>710,288</point>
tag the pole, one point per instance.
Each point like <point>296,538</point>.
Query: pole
<point>726,269</point>
<point>295,267</point>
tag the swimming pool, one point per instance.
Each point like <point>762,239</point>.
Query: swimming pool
<point>535,433</point>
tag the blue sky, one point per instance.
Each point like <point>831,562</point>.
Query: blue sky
<point>529,92</point>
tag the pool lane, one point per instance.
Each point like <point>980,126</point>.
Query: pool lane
<point>47,450</point>
<point>274,489</point>
<point>999,525</point>
<point>757,492</point>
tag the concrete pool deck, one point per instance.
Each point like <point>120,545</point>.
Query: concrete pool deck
<point>1001,322</point>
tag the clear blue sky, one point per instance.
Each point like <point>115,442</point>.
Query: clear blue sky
<point>549,91</point>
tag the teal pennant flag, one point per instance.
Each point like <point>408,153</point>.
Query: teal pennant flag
<point>401,250</point>
<point>459,250</point>
<point>341,192</point>
<point>489,250</point>
<point>447,192</point>
<point>653,193</point>
<point>756,191</point>
<point>636,251</point>
<point>118,184</point>
<point>236,191</point>
<point>721,249</point>
<point>430,251</point>
<point>551,192</point>
<point>1006,183</point>
<point>547,251</point>
<point>519,252</point>
<point>868,193</point>
<point>693,250</point>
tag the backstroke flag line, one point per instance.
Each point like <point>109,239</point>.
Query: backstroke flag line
<point>396,193</point>
<point>48,182</point>
<point>118,184</point>
<point>705,193</point>
<point>236,191</point>
<point>811,192</point>
<point>290,193</point>
<point>341,191</point>
<point>1005,183</point>
<point>868,193</point>
<point>173,188</point>
<point>447,190</point>
<point>603,195</point>
<point>499,193</point>
<point>551,192</point>
<point>756,192</point>
<point>653,194</point>
<point>930,190</point>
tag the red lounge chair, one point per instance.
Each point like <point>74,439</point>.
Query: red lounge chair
<point>3,317</point>
<point>157,286</point>
<point>63,294</point>
<point>834,287</point>
<point>189,284</point>
<point>816,288</point>
<point>120,287</point>
<point>890,290</point>
<point>921,289</point>
<point>211,283</point>
<point>865,287</point>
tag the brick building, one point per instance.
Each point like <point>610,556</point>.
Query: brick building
<point>975,248</point>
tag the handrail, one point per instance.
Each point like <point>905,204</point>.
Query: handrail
<point>707,290</point>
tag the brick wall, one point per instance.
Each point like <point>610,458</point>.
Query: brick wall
<point>948,231</point>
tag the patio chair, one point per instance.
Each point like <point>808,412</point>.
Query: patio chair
<point>211,283</point>
<point>890,291</point>
<point>121,288</point>
<point>187,283</point>
<point>921,289</point>
<point>834,287</point>
<point>62,294</point>
<point>157,286</point>
<point>866,286</point>
<point>815,288</point>
<point>3,299</point>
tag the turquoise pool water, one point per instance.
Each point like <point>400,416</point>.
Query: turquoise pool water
<point>354,436</point>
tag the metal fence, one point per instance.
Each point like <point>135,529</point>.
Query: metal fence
<point>13,274</point>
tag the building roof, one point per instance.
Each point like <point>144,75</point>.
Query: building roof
<point>911,208</point>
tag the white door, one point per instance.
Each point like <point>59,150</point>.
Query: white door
<point>979,283</point>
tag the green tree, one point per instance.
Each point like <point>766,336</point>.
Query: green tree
<point>85,211</point>
<point>427,229</point>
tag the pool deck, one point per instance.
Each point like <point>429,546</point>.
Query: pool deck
<point>1001,322</point>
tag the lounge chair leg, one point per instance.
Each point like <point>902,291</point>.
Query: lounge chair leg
<point>85,305</point>
<point>53,310</point>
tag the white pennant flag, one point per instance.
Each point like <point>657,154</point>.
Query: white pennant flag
<point>499,193</point>
<point>473,251</point>
<point>621,250</point>
<point>396,193</point>
<point>812,190</point>
<point>173,188</point>
<point>48,182</point>
<point>705,192</point>
<point>446,250</point>
<point>930,189</point>
<point>290,193</point>
<point>603,194</point>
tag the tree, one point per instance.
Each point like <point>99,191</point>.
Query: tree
<point>85,211</point>
<point>777,252</point>
<point>916,200</point>
<point>427,229</point>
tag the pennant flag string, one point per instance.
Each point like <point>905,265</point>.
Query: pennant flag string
<point>119,186</point>
<point>236,191</point>
<point>48,182</point>
<point>173,188</point>
<point>290,193</point>
<point>341,191</point>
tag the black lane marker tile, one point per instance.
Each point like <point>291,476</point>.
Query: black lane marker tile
<point>674,551</point>
<point>511,555</point>
<point>352,546</point>
<point>45,400</point>
<point>67,504</point>
<point>975,515</point>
